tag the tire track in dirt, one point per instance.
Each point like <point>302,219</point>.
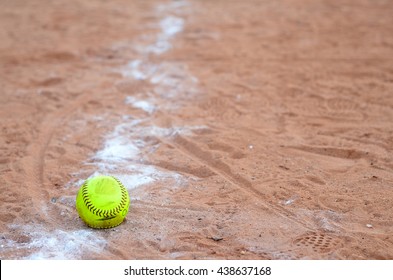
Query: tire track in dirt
<point>194,152</point>
<point>34,165</point>
<point>191,150</point>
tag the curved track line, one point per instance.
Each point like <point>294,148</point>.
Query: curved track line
<point>187,148</point>
<point>35,164</point>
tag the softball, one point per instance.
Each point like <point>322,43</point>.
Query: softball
<point>102,202</point>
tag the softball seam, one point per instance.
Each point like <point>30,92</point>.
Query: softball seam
<point>104,213</point>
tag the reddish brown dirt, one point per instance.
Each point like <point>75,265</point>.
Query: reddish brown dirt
<point>246,129</point>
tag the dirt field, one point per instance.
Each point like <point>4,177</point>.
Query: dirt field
<point>242,129</point>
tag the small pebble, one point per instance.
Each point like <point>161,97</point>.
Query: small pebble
<point>216,238</point>
<point>251,147</point>
<point>369,226</point>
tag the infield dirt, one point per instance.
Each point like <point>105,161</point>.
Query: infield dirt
<point>242,129</point>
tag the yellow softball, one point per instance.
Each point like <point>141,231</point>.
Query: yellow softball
<point>102,202</point>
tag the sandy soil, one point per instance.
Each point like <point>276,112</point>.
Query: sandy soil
<point>242,129</point>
